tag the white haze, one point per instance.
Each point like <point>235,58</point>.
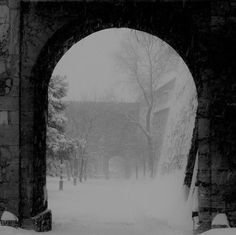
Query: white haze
<point>122,201</point>
<point>90,67</point>
<point>146,206</point>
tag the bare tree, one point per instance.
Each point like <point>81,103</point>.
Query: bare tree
<point>80,127</point>
<point>145,59</point>
<point>84,139</point>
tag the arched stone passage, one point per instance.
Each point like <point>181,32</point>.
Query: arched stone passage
<point>62,35</point>
<point>202,32</point>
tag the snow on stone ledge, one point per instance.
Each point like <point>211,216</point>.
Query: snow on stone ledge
<point>220,220</point>
<point>221,231</point>
<point>8,216</point>
<point>5,230</point>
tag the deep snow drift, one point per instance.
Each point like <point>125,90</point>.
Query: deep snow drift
<point>100,207</point>
<point>116,207</point>
<point>121,201</point>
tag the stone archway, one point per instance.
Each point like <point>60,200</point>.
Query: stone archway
<point>42,58</point>
<point>46,29</point>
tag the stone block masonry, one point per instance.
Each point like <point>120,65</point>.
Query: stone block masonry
<point>33,37</point>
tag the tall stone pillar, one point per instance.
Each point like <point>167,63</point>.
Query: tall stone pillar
<point>204,159</point>
<point>22,183</point>
<point>9,108</point>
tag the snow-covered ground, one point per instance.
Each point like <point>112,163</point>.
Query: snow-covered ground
<point>110,207</point>
<point>100,207</point>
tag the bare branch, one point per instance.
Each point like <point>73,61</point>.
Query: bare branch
<point>133,120</point>
<point>142,89</point>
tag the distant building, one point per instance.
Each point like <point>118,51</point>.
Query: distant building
<point>173,117</point>
<point>164,99</point>
<point>109,131</point>
<point>163,96</point>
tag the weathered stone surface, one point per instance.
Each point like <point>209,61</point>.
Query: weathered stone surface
<point>43,221</point>
<point>9,103</point>
<point>40,223</point>
<point>9,135</point>
<point>14,48</point>
<point>206,218</point>
<point>203,107</point>
<point>4,28</point>
<point>11,192</point>
<point>14,4</point>
<point>232,218</point>
<point>3,66</point>
<point>206,42</point>
<point>27,128</point>
<point>203,128</point>
<point>204,149</point>
<point>204,161</point>
<point>13,67</point>
<point>13,117</point>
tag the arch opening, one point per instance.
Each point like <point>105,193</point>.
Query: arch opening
<point>50,53</point>
<point>36,34</point>
<point>172,119</point>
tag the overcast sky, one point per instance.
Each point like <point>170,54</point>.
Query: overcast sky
<point>91,69</point>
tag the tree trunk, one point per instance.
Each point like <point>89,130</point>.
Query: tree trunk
<point>151,157</point>
<point>71,166</point>
<point>68,170</point>
<point>106,168</point>
<point>75,170</point>
<point>148,119</point>
<point>150,141</point>
<point>85,170</point>
<point>144,166</point>
<point>81,170</point>
<point>49,167</point>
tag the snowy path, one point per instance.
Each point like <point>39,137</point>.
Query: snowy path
<point>104,208</point>
<point>100,207</point>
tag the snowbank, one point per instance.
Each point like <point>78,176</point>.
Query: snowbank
<point>8,216</point>
<point>113,207</point>
<point>4,230</point>
<point>164,200</point>
<point>221,231</point>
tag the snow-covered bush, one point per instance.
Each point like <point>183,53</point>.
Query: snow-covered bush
<point>59,145</point>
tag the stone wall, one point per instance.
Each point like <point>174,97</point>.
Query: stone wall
<point>180,123</point>
<point>216,67</point>
<point>9,106</point>
<point>34,36</point>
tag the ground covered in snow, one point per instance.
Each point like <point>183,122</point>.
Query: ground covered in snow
<point>100,207</point>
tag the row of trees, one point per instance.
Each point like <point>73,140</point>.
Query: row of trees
<point>72,131</point>
<point>61,148</point>
<point>106,129</point>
